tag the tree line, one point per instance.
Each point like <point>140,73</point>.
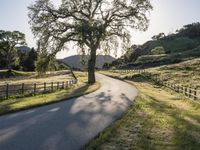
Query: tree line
<point>13,58</point>
<point>14,54</point>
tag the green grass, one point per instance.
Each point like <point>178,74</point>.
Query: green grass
<point>16,104</point>
<point>158,119</point>
<point>177,49</point>
<point>168,58</point>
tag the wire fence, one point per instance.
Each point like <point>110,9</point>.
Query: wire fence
<point>9,90</point>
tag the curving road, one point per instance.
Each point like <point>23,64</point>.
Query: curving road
<point>67,125</point>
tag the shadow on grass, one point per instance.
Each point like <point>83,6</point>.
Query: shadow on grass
<point>185,124</point>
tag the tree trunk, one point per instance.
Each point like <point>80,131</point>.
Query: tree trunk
<point>9,62</point>
<point>91,66</point>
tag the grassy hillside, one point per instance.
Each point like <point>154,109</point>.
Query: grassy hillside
<point>175,48</point>
<point>186,73</point>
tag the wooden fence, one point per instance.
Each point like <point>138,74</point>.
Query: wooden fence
<point>129,71</point>
<point>191,92</point>
<point>9,90</point>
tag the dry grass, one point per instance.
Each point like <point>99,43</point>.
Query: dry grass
<point>35,79</point>
<point>159,119</point>
<point>186,73</point>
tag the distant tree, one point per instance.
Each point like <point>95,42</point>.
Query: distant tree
<point>8,41</point>
<point>106,65</point>
<point>32,57</point>
<point>190,30</point>
<point>27,60</point>
<point>2,55</point>
<point>92,24</point>
<point>42,63</point>
<point>159,36</point>
<point>52,66</point>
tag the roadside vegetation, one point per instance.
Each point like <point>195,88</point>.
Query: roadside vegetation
<point>158,119</point>
<point>21,103</point>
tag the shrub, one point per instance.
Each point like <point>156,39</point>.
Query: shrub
<point>158,50</point>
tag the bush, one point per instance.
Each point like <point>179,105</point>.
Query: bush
<point>158,50</point>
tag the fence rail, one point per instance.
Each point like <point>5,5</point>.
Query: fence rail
<point>191,92</point>
<point>9,90</point>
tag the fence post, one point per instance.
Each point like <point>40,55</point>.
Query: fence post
<point>44,87</point>
<point>182,89</point>
<point>190,92</point>
<point>175,87</point>
<point>178,88</point>
<point>186,91</point>
<point>195,93</point>
<point>7,90</point>
<point>57,85</point>
<point>34,89</point>
<point>51,86</point>
<point>63,84</point>
<point>22,88</point>
<point>66,84</point>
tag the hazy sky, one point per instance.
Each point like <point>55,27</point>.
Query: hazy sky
<point>167,16</point>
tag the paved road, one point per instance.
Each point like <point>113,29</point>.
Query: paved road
<point>67,125</point>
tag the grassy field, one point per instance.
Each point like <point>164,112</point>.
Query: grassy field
<point>5,74</point>
<point>32,77</point>
<point>81,88</point>
<point>158,119</point>
<point>186,73</point>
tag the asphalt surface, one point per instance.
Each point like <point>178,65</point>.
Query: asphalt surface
<point>67,125</point>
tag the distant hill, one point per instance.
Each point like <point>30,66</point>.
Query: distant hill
<point>163,49</point>
<point>76,61</point>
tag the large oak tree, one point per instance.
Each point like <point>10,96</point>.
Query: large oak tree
<point>91,24</point>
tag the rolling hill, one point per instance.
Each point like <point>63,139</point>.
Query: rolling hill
<point>78,61</point>
<point>163,50</point>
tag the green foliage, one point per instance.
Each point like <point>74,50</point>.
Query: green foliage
<point>164,59</point>
<point>27,60</point>
<point>8,41</point>
<point>52,64</point>
<point>42,63</point>
<point>158,50</point>
<point>151,58</point>
<point>159,36</point>
<point>190,30</point>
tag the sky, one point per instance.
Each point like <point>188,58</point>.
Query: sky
<point>167,16</point>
